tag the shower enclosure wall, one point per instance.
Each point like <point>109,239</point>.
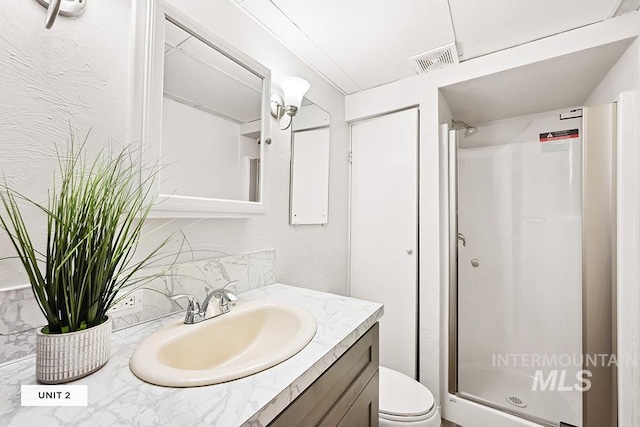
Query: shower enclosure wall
<point>517,295</point>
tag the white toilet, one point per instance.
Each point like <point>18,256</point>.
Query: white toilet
<point>404,402</point>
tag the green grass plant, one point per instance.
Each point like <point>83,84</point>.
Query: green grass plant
<point>94,216</point>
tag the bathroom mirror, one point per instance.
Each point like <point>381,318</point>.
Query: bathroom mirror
<point>206,122</point>
<point>310,143</point>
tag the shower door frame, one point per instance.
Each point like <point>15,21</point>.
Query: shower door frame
<point>453,293</point>
<point>602,226</point>
<point>452,148</point>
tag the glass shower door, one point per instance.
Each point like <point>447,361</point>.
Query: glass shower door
<point>519,256</point>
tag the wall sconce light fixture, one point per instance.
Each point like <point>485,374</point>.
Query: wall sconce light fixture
<point>69,8</point>
<point>294,89</point>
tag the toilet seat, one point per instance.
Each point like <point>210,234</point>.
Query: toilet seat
<point>405,419</point>
<point>404,399</point>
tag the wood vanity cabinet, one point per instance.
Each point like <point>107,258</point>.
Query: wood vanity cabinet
<point>345,395</point>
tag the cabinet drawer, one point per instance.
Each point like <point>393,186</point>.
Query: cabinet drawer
<point>331,396</point>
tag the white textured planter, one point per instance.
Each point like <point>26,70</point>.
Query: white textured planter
<point>62,358</point>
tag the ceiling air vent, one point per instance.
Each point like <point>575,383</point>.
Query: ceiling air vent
<point>434,59</point>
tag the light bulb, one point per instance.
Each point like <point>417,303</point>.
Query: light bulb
<point>294,89</point>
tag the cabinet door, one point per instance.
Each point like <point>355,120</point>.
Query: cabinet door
<point>331,396</point>
<point>364,411</point>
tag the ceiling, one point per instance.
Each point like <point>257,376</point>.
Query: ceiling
<point>360,44</point>
<point>203,78</point>
<point>555,82</point>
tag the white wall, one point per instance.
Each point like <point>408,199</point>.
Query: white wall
<point>423,90</point>
<point>79,72</point>
<point>624,78</point>
<point>200,153</point>
<point>75,75</point>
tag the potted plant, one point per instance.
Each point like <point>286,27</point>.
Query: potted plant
<point>94,219</point>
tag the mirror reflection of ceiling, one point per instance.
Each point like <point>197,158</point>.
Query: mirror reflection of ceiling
<point>200,76</point>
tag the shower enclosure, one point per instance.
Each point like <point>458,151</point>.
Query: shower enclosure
<point>531,236</point>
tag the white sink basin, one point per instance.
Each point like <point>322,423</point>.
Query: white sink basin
<point>250,338</point>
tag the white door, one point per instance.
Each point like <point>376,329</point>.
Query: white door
<point>384,211</point>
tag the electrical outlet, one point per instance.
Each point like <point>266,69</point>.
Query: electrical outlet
<point>129,302</point>
<point>132,303</point>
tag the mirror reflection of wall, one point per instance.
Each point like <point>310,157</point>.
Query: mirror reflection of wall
<point>310,142</point>
<point>210,122</point>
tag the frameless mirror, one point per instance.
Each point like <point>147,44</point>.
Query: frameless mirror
<point>208,116</point>
<point>310,143</point>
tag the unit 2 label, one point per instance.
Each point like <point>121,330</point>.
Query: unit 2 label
<point>54,395</point>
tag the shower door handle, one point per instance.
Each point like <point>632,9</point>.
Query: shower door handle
<point>462,239</point>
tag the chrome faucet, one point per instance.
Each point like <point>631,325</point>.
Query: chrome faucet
<point>197,312</point>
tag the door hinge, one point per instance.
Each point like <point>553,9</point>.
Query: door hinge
<point>350,158</point>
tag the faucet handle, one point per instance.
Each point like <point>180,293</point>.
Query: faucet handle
<point>193,302</point>
<point>230,283</point>
<point>224,295</point>
<point>231,296</point>
<point>193,307</point>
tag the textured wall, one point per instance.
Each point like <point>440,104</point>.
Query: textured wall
<point>79,72</point>
<point>75,75</point>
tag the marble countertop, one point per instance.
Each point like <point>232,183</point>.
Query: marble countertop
<point>117,397</point>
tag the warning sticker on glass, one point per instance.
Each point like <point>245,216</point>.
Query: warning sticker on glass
<point>559,140</point>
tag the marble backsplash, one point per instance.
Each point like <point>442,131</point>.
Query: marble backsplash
<point>20,315</point>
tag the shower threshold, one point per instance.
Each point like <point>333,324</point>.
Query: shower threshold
<point>514,412</point>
